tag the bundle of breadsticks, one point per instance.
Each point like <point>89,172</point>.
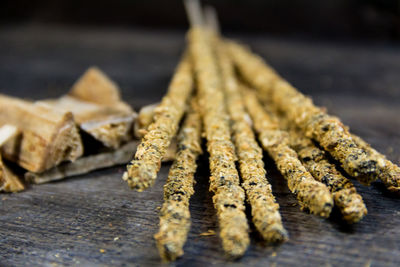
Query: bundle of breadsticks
<point>224,92</point>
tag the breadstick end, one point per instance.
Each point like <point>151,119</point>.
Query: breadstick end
<point>138,177</point>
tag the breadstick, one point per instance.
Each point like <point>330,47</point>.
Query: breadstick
<point>389,172</point>
<point>142,170</point>
<point>330,133</point>
<point>316,162</point>
<point>175,215</point>
<point>224,181</point>
<point>228,196</point>
<point>311,194</point>
<point>144,119</point>
<point>264,208</point>
<point>344,193</point>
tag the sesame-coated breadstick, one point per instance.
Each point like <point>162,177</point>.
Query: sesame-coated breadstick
<point>316,162</point>
<point>311,194</point>
<point>175,215</point>
<point>389,172</point>
<point>328,130</point>
<point>264,208</point>
<point>344,193</point>
<point>142,170</point>
<point>224,181</point>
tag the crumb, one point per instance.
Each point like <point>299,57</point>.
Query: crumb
<point>116,238</point>
<point>102,250</point>
<point>4,198</point>
<point>208,233</point>
<point>273,254</point>
<point>110,224</point>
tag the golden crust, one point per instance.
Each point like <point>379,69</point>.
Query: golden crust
<point>389,172</point>
<point>264,208</point>
<point>175,215</point>
<point>331,134</point>
<point>224,181</point>
<point>142,170</point>
<point>315,160</point>
<point>311,194</point>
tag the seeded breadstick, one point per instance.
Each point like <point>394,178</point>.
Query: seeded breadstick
<point>143,121</point>
<point>311,194</point>
<point>142,171</point>
<point>330,133</point>
<point>344,193</point>
<point>224,181</point>
<point>264,208</point>
<point>175,215</point>
<point>389,172</point>
<point>314,159</point>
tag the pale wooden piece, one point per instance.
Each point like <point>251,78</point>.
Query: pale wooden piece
<point>85,164</point>
<point>48,137</point>
<point>7,132</point>
<point>110,125</point>
<point>9,182</point>
<point>94,86</point>
<point>94,162</point>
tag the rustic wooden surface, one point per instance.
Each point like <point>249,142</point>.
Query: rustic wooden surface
<point>96,220</point>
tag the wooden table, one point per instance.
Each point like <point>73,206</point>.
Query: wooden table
<point>96,220</point>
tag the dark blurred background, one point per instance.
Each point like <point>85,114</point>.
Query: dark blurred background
<point>338,19</point>
<point>346,48</point>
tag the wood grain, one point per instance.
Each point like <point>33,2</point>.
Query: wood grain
<point>70,221</point>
